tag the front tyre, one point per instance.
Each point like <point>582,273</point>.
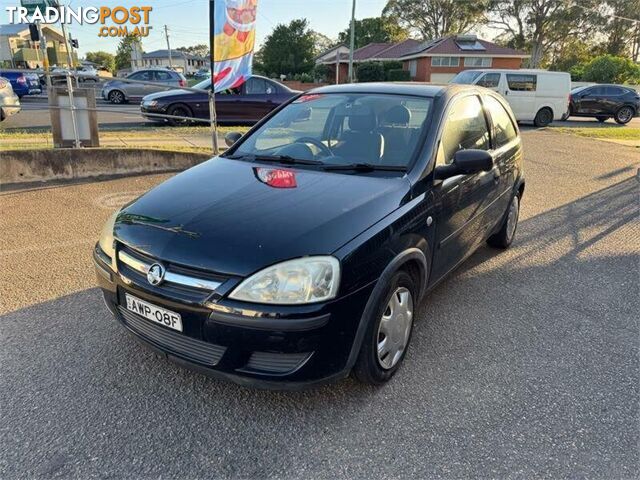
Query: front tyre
<point>389,332</point>
<point>504,237</point>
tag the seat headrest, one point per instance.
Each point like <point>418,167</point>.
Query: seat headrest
<point>397,115</point>
<point>363,121</point>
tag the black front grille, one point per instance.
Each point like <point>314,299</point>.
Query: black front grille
<point>173,342</point>
<point>275,362</point>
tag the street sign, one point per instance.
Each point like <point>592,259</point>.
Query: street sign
<point>32,5</point>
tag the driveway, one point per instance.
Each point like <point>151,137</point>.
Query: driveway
<point>523,364</point>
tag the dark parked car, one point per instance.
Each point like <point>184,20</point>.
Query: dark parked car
<point>246,104</point>
<point>605,101</point>
<point>301,254</point>
<point>23,83</point>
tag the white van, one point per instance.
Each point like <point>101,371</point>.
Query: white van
<point>536,96</point>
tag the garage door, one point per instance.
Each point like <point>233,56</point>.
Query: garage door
<point>441,77</point>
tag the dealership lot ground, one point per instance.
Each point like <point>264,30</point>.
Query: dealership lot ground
<point>523,363</point>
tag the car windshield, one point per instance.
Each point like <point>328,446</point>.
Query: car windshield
<point>467,77</point>
<point>376,130</point>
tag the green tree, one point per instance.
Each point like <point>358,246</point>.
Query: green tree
<point>432,19</point>
<point>321,42</point>
<point>374,30</point>
<point>289,49</point>
<point>622,33</point>
<point>538,25</point>
<point>200,50</point>
<point>123,53</point>
<point>370,72</point>
<point>104,59</point>
<point>611,69</point>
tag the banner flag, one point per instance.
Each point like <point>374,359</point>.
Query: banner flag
<point>234,37</point>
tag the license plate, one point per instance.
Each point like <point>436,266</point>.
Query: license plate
<point>155,314</point>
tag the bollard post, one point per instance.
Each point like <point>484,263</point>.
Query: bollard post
<point>72,107</point>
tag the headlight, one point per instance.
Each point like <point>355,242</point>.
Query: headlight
<point>106,237</point>
<point>304,280</point>
<point>150,103</point>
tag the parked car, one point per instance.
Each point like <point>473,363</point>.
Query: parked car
<point>202,73</point>
<point>23,82</point>
<point>243,105</point>
<point>605,101</point>
<point>536,96</point>
<point>83,74</point>
<point>302,252</point>
<point>9,101</point>
<point>120,91</point>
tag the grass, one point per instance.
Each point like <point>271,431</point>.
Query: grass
<point>613,133</point>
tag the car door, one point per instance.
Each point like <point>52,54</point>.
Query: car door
<point>165,79</point>
<point>461,200</point>
<point>506,152</point>
<point>593,101</point>
<point>520,92</point>
<point>256,102</point>
<point>138,90</point>
<point>229,106</point>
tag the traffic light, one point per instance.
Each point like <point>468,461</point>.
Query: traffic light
<point>33,31</point>
<point>74,42</point>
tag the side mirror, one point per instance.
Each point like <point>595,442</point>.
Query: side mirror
<point>231,138</point>
<point>465,162</point>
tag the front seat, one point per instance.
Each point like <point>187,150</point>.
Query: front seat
<point>397,135</point>
<point>361,143</point>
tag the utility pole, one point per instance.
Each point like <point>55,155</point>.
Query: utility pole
<point>353,40</point>
<point>166,34</point>
<point>64,34</point>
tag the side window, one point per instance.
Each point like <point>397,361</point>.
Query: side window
<point>489,80</point>
<point>466,128</point>
<point>135,76</point>
<point>505,130</point>
<point>521,82</point>
<point>163,76</point>
<point>596,91</point>
<point>144,76</point>
<point>270,88</point>
<point>255,86</point>
<point>613,91</point>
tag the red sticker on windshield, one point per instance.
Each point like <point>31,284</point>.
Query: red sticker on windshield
<point>308,98</point>
<point>276,178</point>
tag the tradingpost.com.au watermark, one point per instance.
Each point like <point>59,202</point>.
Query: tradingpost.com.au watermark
<point>114,21</point>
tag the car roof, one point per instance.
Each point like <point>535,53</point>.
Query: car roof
<point>396,88</point>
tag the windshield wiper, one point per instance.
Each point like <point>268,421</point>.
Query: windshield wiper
<point>367,167</point>
<point>286,159</point>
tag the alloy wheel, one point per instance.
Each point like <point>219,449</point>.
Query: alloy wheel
<point>512,217</point>
<point>395,328</point>
<point>625,114</point>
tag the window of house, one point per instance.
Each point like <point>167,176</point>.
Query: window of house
<point>522,82</point>
<point>477,61</point>
<point>505,131</point>
<point>445,61</point>
<point>466,128</point>
<point>413,68</point>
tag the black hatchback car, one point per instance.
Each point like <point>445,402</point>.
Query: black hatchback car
<point>302,253</point>
<point>605,101</point>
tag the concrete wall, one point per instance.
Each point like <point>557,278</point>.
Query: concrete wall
<point>26,167</point>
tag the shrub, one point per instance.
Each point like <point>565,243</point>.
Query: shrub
<point>320,72</point>
<point>398,75</point>
<point>370,72</point>
<point>611,69</point>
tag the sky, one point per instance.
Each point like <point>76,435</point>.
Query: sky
<point>188,19</point>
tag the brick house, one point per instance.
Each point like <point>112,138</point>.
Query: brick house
<point>440,60</point>
<point>436,61</point>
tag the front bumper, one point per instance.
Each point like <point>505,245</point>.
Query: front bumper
<point>282,347</point>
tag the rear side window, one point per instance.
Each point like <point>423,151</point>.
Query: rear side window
<point>521,82</point>
<point>255,86</point>
<point>163,76</point>
<point>466,128</point>
<point>489,80</point>
<point>505,131</point>
<point>615,91</point>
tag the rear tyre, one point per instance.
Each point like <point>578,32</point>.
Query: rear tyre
<point>179,110</point>
<point>388,334</point>
<point>602,119</point>
<point>504,237</point>
<point>116,97</point>
<point>624,115</point>
<point>543,118</point>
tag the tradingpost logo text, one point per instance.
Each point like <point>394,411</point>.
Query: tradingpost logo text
<point>113,21</point>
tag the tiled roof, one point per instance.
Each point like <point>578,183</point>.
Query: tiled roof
<point>397,50</point>
<point>371,50</point>
<point>448,46</point>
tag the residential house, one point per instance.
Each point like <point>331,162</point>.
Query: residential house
<point>181,61</point>
<point>17,50</point>
<point>436,61</point>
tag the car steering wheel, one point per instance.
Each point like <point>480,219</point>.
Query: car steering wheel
<point>317,143</point>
